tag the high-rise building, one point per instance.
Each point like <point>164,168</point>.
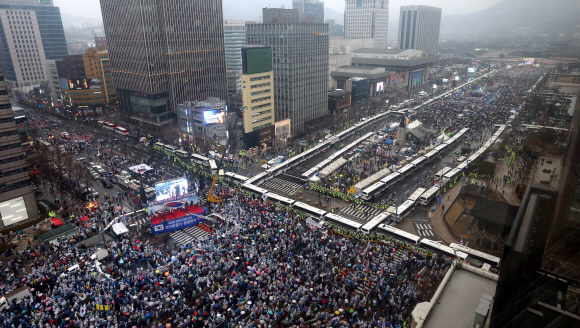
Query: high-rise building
<point>367,19</point>
<point>419,28</point>
<point>17,200</point>
<point>101,41</point>
<point>207,119</point>
<point>235,39</point>
<point>300,66</point>
<point>335,29</point>
<point>86,80</point>
<point>258,96</point>
<point>30,33</point>
<point>309,11</point>
<point>164,52</point>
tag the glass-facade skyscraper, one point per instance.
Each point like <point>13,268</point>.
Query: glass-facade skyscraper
<point>367,19</point>
<point>31,33</point>
<point>300,66</point>
<point>164,52</point>
<point>310,11</point>
<point>419,28</point>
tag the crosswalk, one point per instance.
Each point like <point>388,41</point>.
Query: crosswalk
<point>188,235</point>
<point>360,212</point>
<point>363,287</point>
<point>296,171</point>
<point>424,229</point>
<point>284,186</point>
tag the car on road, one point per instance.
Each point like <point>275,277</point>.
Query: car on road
<point>106,183</point>
<point>95,175</point>
<point>113,180</point>
<point>91,192</point>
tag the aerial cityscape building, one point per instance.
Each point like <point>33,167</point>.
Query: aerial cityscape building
<point>17,200</point>
<point>419,28</point>
<point>160,58</point>
<point>31,32</point>
<point>309,11</point>
<point>367,19</point>
<point>300,65</point>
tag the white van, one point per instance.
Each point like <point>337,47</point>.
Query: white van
<point>461,159</point>
<point>100,254</point>
<point>315,223</point>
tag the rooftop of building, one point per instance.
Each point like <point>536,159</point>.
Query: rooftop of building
<point>459,299</point>
<point>493,211</point>
<point>367,72</point>
<point>379,51</point>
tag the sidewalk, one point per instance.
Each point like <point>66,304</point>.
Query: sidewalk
<point>437,219</point>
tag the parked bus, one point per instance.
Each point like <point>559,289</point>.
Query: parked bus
<point>416,195</point>
<point>257,191</point>
<point>442,172</point>
<point>213,166</point>
<point>170,149</point>
<point>429,195</point>
<point>121,131</point>
<point>108,126</point>
<point>404,210</point>
<point>310,210</point>
<point>201,160</point>
<point>406,170</point>
<point>160,145</point>
<point>391,179</point>
<point>436,247</point>
<point>182,153</point>
<point>374,223</point>
<point>372,191</point>
<point>342,221</point>
<point>232,177</point>
<point>280,199</point>
<point>477,255</point>
<point>398,234</point>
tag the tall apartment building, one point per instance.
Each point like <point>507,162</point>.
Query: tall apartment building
<point>30,33</point>
<point>367,19</point>
<point>17,200</point>
<point>419,28</point>
<point>309,11</point>
<point>164,52</point>
<point>258,96</point>
<point>299,63</point>
<point>86,80</point>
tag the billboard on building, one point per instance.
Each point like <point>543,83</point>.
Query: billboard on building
<point>380,87</point>
<point>95,84</point>
<point>471,70</point>
<point>282,128</point>
<point>169,189</point>
<point>214,117</point>
<point>398,77</point>
<point>13,211</point>
<point>418,77</point>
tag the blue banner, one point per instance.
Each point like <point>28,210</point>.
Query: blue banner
<point>177,224</point>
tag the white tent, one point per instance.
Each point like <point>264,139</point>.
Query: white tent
<point>141,168</point>
<point>119,229</point>
<point>314,179</point>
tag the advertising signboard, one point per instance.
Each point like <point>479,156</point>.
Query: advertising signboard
<point>170,189</point>
<point>213,117</point>
<point>177,224</point>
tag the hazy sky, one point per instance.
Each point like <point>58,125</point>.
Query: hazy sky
<point>91,8</point>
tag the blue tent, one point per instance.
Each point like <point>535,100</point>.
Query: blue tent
<point>389,129</point>
<point>389,141</point>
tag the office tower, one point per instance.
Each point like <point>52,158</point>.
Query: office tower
<point>309,11</point>
<point>419,28</point>
<point>235,39</point>
<point>101,41</point>
<point>164,52</point>
<point>335,29</point>
<point>31,32</point>
<point>17,200</point>
<point>207,118</point>
<point>367,19</point>
<point>258,96</point>
<point>85,80</point>
<point>300,65</point>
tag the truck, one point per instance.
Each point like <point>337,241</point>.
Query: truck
<point>100,254</point>
<point>150,193</point>
<point>134,187</point>
<point>16,295</point>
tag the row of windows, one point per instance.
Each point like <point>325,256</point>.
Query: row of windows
<point>267,118</point>
<point>12,159</point>
<point>261,126</point>
<point>16,185</point>
<point>261,106</point>
<point>8,133</point>
<point>12,146</point>
<point>261,92</point>
<point>255,86</point>
<point>9,173</point>
<point>261,99</point>
<point>7,119</point>
<point>261,113</point>
<point>258,78</point>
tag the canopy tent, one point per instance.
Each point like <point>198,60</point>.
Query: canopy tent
<point>84,218</point>
<point>119,229</point>
<point>141,168</point>
<point>389,141</point>
<point>56,221</point>
<point>314,179</point>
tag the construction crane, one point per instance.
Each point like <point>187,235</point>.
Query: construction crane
<point>210,196</point>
